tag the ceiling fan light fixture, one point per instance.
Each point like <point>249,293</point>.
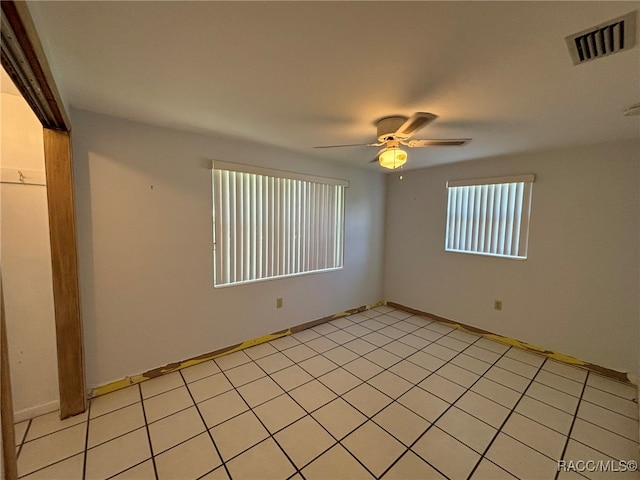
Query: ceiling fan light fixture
<point>392,158</point>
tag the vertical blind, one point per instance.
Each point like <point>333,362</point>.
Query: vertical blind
<point>271,224</point>
<point>489,216</point>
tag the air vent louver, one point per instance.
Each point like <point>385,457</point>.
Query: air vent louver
<point>608,38</point>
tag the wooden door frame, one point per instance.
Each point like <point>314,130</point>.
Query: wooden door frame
<point>24,60</point>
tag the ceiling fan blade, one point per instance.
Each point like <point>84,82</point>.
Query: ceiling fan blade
<point>415,123</point>
<point>445,142</point>
<point>350,145</point>
<point>376,159</point>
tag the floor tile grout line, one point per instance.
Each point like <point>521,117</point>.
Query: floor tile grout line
<point>605,428</point>
<point>504,422</point>
<point>146,426</point>
<point>207,429</point>
<point>575,416</point>
<point>451,405</point>
<point>270,435</point>
<point>86,443</point>
<point>24,437</point>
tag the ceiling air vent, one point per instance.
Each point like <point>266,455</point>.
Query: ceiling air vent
<point>605,39</point>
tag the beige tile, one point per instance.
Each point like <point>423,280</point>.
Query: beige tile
<point>518,367</point>
<point>174,429</point>
<point>382,357</point>
<point>507,378</point>
<point>114,424</point>
<point>285,342</point>
<point>372,324</point>
<point>545,414</point>
<point>260,391</point>
<point>274,363</point>
<point>576,452</point>
<point>343,322</point>
<point>69,469</point>
<point>452,343</point>
<point>221,408</point>
<point>142,471</point>
<point>291,377</point>
<point>427,361</point>
<point>535,435</point>
<point>305,335</point>
<point>496,392</point>
<point>459,375</point>
<point>231,360</point>
<point>261,350</point>
<point>412,467</point>
<point>423,403</point>
<point>390,384</point>
<point>340,381</point>
<point>558,382</point>
<point>401,422</point>
<point>317,365</point>
<point>167,403</point>
<point>304,440</point>
<point>612,402</point>
<point>480,407</point>
<point>189,460</point>
<point>321,344</point>
<point>471,363</point>
<point>341,337</point>
<point>325,328</point>
<point>279,412</point>
<point>392,332</point>
<point>244,374</point>
<point>377,339</point>
<point>114,400</point>
<point>312,395</point>
<point>337,463</point>
<point>209,387</point>
<point>427,334</point>
<point>51,448</point>
<point>339,418</point>
<point>201,370</point>
<point>482,353</point>
<point>117,455</point>
<point>238,434</point>
<point>414,341</point>
<point>445,453</point>
<point>607,442</point>
<point>440,328</point>
<point>49,423</point>
<point>410,371</point>
<point>609,420</point>
<point>492,345</point>
<point>374,447</point>
<point>569,371</point>
<point>367,399</point>
<point>443,388</point>
<point>466,428</point>
<point>219,473</point>
<point>265,461</point>
<point>525,357</point>
<point>551,396</point>
<point>520,460</point>
<point>359,346</point>
<point>614,387</point>
<point>466,337</point>
<point>400,349</point>
<point>299,353</point>
<point>340,355</point>
<point>161,384</point>
<point>488,470</point>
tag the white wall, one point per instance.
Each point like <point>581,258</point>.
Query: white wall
<point>576,294</point>
<point>26,265</point>
<point>145,254</point>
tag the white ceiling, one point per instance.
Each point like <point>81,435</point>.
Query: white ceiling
<point>299,74</point>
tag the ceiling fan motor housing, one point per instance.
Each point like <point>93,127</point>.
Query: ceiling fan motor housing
<point>388,126</point>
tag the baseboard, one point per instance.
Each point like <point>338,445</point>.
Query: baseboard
<point>173,367</point>
<point>608,372</point>
<point>31,412</point>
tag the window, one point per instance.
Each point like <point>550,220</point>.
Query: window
<point>270,223</point>
<point>489,216</point>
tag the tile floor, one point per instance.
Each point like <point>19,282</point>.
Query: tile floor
<point>380,394</point>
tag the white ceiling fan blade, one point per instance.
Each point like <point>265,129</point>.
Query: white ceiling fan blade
<point>415,123</point>
<point>351,145</point>
<point>445,142</point>
<point>376,159</point>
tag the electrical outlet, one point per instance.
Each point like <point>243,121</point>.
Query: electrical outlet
<point>497,304</point>
<point>278,302</point>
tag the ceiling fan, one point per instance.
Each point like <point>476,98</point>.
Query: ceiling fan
<point>396,131</point>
